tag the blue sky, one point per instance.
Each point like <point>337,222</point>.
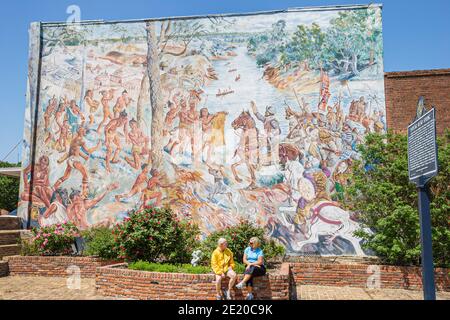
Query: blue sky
<point>416,36</point>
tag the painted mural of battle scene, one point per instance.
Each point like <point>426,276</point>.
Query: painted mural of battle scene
<point>223,118</point>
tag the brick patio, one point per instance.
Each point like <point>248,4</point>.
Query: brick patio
<point>350,293</point>
<point>33,288</point>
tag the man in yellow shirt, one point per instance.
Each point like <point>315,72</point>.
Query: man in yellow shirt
<point>222,263</point>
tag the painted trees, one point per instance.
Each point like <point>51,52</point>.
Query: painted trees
<point>351,43</point>
<point>307,45</point>
<point>155,94</point>
<point>174,39</point>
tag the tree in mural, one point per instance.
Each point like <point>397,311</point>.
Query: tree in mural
<point>351,43</point>
<point>155,94</point>
<point>61,36</point>
<point>307,45</point>
<point>181,32</point>
<point>268,46</point>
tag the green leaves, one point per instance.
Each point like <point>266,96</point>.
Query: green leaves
<point>176,268</point>
<point>380,190</point>
<point>9,189</point>
<point>154,235</point>
<point>99,242</point>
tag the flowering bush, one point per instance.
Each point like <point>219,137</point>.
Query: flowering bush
<point>56,239</point>
<point>238,237</point>
<point>155,235</point>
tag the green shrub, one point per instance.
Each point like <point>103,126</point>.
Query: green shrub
<point>175,268</point>
<point>155,235</point>
<point>380,192</point>
<point>99,242</point>
<point>28,247</point>
<point>56,239</point>
<point>165,267</point>
<point>9,188</point>
<point>238,237</point>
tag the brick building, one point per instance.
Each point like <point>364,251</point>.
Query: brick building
<point>403,89</point>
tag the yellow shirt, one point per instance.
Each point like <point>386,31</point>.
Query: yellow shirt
<point>221,261</point>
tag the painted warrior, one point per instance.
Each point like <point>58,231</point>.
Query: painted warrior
<point>169,129</point>
<point>107,96</point>
<point>80,204</point>
<point>153,191</point>
<point>139,144</point>
<point>272,130</point>
<point>93,104</point>
<point>74,115</point>
<point>139,184</point>
<point>122,103</point>
<point>75,158</point>
<point>112,137</point>
<point>40,191</point>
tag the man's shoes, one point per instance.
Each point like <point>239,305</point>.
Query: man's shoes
<point>218,297</point>
<point>240,285</point>
<point>228,295</point>
<point>249,296</point>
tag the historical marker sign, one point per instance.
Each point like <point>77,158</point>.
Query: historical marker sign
<point>422,166</point>
<point>422,148</point>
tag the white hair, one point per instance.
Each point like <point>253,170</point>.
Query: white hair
<point>221,240</point>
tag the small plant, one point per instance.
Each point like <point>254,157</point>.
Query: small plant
<point>56,239</point>
<point>175,268</point>
<point>28,247</point>
<point>99,242</point>
<point>237,237</point>
<point>166,267</point>
<point>155,235</point>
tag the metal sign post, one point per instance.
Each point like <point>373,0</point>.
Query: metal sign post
<point>422,166</point>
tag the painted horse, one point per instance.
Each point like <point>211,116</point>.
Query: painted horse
<point>248,148</point>
<point>299,185</point>
<point>328,219</point>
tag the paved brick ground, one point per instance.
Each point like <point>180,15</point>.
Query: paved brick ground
<point>33,288</point>
<point>45,288</point>
<point>349,293</point>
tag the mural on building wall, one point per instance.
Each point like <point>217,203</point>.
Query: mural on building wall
<point>221,118</point>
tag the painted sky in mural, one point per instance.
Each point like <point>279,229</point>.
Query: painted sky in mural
<point>221,118</point>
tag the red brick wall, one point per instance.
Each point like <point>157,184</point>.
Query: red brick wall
<point>403,89</point>
<point>9,237</point>
<point>9,250</point>
<point>53,266</point>
<point>117,281</point>
<point>356,275</point>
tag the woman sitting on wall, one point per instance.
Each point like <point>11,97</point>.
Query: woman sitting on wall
<point>254,261</point>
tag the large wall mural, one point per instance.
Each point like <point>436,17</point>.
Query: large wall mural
<point>221,118</point>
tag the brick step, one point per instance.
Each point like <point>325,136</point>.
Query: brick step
<point>9,250</point>
<point>4,268</point>
<point>9,236</point>
<point>10,223</point>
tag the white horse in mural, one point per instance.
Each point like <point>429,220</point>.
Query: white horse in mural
<point>330,220</point>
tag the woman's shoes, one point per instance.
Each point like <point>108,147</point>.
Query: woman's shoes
<point>228,295</point>
<point>249,296</point>
<point>240,285</point>
<point>218,297</point>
